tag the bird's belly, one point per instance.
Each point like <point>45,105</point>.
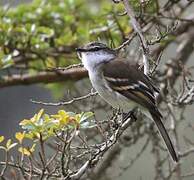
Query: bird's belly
<point>118,101</point>
<point>115,99</point>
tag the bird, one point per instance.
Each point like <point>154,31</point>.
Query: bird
<point>122,84</point>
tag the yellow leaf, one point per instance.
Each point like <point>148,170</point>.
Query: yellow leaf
<point>77,117</point>
<point>8,143</point>
<point>2,138</point>
<point>27,151</point>
<point>33,119</point>
<point>24,151</point>
<point>37,116</point>
<point>32,149</point>
<point>24,122</point>
<point>20,136</point>
<point>47,118</point>
<point>62,117</point>
<point>56,116</point>
<point>29,135</point>
<point>40,113</point>
<point>63,114</point>
<point>50,63</point>
<point>37,135</point>
<point>128,30</point>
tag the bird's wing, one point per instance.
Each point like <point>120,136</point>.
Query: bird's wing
<point>130,82</point>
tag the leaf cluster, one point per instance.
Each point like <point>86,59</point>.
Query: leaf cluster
<point>43,126</point>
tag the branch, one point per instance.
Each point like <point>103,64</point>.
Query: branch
<point>187,152</point>
<point>106,162</point>
<point>66,102</point>
<point>137,28</point>
<point>183,52</point>
<point>187,98</point>
<point>68,67</point>
<point>81,171</point>
<point>43,77</point>
<point>103,148</point>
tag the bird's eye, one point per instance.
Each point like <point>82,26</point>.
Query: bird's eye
<point>96,48</point>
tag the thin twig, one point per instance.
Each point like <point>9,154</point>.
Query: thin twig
<point>6,164</point>
<point>126,42</point>
<point>137,28</point>
<point>91,94</point>
<point>68,67</point>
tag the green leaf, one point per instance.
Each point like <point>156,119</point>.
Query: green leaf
<point>45,32</point>
<point>10,145</point>
<point>29,126</point>
<point>2,138</point>
<point>6,61</point>
<point>86,121</point>
<point>85,116</point>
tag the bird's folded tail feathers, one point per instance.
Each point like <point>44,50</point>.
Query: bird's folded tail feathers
<point>157,119</point>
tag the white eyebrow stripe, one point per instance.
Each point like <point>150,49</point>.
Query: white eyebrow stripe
<point>116,79</point>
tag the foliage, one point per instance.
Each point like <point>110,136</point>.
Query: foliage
<point>43,35</point>
<point>40,130</point>
<point>45,26</point>
<point>43,126</point>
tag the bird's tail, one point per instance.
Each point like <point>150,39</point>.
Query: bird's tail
<point>157,117</point>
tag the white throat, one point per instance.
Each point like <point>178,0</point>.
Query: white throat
<point>93,60</point>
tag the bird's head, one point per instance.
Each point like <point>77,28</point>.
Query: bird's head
<point>95,53</point>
